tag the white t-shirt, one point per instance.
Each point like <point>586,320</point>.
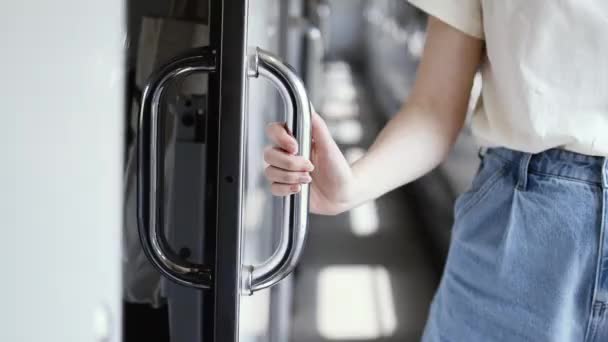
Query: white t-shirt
<point>545,73</point>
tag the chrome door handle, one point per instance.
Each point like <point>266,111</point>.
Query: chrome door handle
<point>150,171</point>
<point>295,220</point>
<point>151,162</point>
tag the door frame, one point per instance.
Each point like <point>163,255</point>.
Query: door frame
<point>226,129</point>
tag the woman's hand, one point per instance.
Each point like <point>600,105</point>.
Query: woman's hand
<point>332,181</point>
<point>414,141</point>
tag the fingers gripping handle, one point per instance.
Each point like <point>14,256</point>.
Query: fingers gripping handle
<point>150,172</point>
<point>295,216</point>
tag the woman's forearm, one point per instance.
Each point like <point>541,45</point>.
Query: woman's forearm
<point>419,137</point>
<point>413,143</point>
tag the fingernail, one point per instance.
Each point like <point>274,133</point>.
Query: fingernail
<point>310,166</point>
<point>305,179</point>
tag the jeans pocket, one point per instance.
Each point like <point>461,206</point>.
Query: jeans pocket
<point>489,173</point>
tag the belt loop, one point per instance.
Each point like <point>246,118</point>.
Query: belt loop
<point>605,173</point>
<point>524,164</point>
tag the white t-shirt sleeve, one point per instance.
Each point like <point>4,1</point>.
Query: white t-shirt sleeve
<point>463,15</point>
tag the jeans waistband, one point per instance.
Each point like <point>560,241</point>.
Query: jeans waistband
<point>559,162</point>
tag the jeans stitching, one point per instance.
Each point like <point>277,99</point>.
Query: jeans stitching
<point>591,326</point>
<point>566,178</point>
<point>512,162</point>
<point>598,310</point>
<point>523,168</point>
<point>592,331</point>
<point>483,191</point>
<point>532,170</point>
<point>605,173</point>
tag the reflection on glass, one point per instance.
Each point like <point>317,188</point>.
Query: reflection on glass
<point>255,313</point>
<point>256,202</point>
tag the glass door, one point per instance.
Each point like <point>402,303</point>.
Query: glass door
<point>205,244</point>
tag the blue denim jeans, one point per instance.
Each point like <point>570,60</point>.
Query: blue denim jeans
<point>528,259</point>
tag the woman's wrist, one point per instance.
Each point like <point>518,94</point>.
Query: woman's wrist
<point>357,190</point>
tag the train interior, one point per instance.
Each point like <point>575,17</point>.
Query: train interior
<point>365,275</point>
<point>200,233</point>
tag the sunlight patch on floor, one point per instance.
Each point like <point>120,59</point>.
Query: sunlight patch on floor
<point>355,302</point>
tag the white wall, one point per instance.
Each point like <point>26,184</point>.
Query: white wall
<point>61,86</point>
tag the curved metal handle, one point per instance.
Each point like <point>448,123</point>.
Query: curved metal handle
<point>295,219</point>
<point>150,171</point>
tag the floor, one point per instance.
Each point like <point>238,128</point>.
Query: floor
<point>366,275</point>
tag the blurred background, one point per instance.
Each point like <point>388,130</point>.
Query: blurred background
<point>366,275</point>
